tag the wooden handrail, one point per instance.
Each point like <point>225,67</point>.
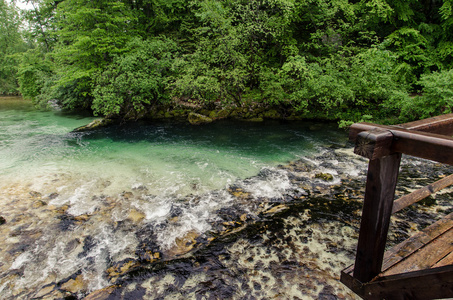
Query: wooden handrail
<point>383,145</point>
<point>421,194</point>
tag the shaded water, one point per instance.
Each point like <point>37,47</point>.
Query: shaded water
<point>169,211</point>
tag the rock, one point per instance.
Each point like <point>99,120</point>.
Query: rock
<point>44,291</point>
<point>34,194</point>
<point>223,114</point>
<point>101,294</point>
<point>271,114</point>
<point>276,209</point>
<point>255,120</point>
<point>324,176</point>
<point>197,119</point>
<point>122,267</point>
<point>184,244</point>
<point>127,195</point>
<point>52,196</point>
<point>150,256</point>
<point>75,285</point>
<point>98,123</point>
<point>136,216</point>
<point>38,204</point>
<point>2,220</point>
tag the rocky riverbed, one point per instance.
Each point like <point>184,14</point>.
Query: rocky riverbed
<point>284,233</point>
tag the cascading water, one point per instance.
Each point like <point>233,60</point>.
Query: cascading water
<point>156,210</point>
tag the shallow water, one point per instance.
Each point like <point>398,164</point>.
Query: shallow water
<point>166,210</point>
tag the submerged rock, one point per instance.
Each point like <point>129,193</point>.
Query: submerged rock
<point>198,119</point>
<point>184,244</point>
<point>94,125</point>
<point>324,176</point>
<point>75,285</point>
<point>101,294</point>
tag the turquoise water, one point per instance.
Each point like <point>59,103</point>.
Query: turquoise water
<point>37,148</point>
<point>76,204</point>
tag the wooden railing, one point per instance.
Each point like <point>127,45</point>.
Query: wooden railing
<point>383,145</point>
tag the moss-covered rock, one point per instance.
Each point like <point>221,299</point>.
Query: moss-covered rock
<point>257,119</point>
<point>324,176</point>
<point>197,119</point>
<point>271,114</point>
<point>98,123</point>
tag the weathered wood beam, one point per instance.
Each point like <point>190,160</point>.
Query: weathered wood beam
<point>374,143</point>
<point>422,193</point>
<point>357,128</point>
<point>433,283</point>
<point>377,209</point>
<point>442,124</point>
<point>430,146</point>
<point>372,140</point>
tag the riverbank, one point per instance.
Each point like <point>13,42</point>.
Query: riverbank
<point>198,114</point>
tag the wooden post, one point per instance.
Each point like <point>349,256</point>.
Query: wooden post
<point>377,209</point>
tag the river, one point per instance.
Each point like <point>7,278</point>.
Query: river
<point>166,210</point>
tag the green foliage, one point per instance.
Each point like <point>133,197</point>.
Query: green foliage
<point>413,52</point>
<point>346,60</point>
<point>11,44</point>
<point>436,97</point>
<point>91,34</point>
<point>136,79</point>
<point>33,73</point>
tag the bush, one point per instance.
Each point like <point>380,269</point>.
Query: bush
<point>135,79</point>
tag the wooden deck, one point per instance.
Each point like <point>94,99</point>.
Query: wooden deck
<point>422,266</point>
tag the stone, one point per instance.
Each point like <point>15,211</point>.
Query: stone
<point>271,114</point>
<point>34,194</point>
<point>2,220</point>
<point>150,256</point>
<point>98,123</point>
<point>38,204</point>
<point>101,294</point>
<point>75,285</point>
<point>122,267</point>
<point>198,119</point>
<point>223,114</point>
<point>44,291</point>
<point>127,195</point>
<point>276,209</point>
<point>257,120</point>
<point>184,244</point>
<point>135,215</point>
<point>324,176</point>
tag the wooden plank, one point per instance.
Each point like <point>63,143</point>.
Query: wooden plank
<point>422,193</point>
<point>374,143</point>
<point>418,240</point>
<point>425,145</point>
<point>357,128</point>
<point>447,260</point>
<point>442,124</point>
<point>379,193</point>
<point>427,284</point>
<point>425,257</point>
<point>412,244</point>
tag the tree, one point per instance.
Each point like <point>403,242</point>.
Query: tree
<point>11,43</point>
<point>134,80</point>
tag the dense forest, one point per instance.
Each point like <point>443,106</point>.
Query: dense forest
<point>346,60</point>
